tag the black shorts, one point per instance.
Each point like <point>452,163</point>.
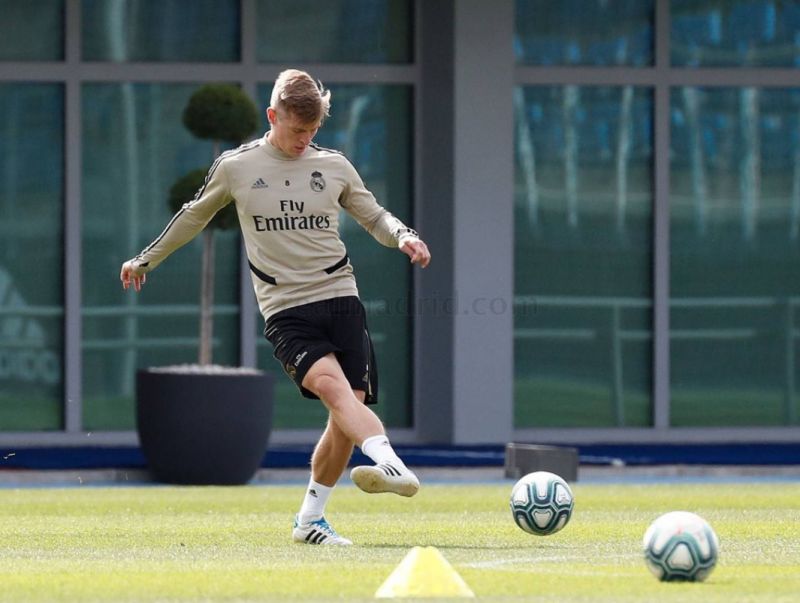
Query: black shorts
<point>303,334</point>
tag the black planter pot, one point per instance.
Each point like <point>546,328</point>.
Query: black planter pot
<point>203,425</point>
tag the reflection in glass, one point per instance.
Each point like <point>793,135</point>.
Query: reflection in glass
<point>167,30</point>
<point>134,148</point>
<point>335,31</point>
<point>31,256</point>
<point>31,30</point>
<point>583,238</point>
<point>735,256</point>
<point>372,126</point>
<point>735,33</point>
<point>584,32</point>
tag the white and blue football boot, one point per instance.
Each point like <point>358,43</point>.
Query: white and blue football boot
<point>317,532</point>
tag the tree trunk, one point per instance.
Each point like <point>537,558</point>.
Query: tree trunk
<point>207,289</point>
<point>207,297</point>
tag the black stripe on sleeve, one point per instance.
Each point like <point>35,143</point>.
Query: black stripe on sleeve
<point>241,149</point>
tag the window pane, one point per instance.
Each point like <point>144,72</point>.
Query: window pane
<point>758,33</point>
<point>583,238</point>
<point>335,31</point>
<point>32,30</point>
<point>167,30</point>
<point>372,126</point>
<point>584,32</point>
<point>31,256</point>
<point>134,148</point>
<point>735,258</point>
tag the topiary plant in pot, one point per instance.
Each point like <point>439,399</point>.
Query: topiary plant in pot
<point>216,112</point>
<point>206,424</point>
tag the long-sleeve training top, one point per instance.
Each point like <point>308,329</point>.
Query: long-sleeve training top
<point>289,216</point>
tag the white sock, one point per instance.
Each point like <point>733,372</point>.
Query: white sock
<point>313,507</point>
<point>380,450</point>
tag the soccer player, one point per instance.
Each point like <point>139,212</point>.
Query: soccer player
<point>288,194</point>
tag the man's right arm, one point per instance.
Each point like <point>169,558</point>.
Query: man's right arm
<point>182,228</point>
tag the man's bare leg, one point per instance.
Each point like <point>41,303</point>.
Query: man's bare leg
<point>363,427</point>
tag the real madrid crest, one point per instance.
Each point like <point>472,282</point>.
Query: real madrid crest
<point>317,182</point>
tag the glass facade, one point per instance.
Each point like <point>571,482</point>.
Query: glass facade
<point>735,33</point>
<point>31,256</point>
<point>370,125</point>
<point>584,32</point>
<point>733,209</point>
<point>735,257</point>
<point>638,196</point>
<point>335,31</point>
<point>32,30</point>
<point>134,149</point>
<point>583,243</point>
<point>167,30</point>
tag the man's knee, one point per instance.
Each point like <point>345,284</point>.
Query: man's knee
<point>326,379</point>
<point>325,384</point>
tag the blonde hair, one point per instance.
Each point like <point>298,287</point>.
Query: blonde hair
<point>296,92</point>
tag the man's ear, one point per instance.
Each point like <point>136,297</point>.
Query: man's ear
<point>271,115</point>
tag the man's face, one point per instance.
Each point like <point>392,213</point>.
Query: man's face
<point>288,133</point>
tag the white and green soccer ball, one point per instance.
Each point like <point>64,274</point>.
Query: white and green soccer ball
<point>541,503</point>
<point>680,546</point>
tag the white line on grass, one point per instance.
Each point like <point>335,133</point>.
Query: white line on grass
<point>499,563</point>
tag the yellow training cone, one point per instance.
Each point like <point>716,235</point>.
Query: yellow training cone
<point>424,572</point>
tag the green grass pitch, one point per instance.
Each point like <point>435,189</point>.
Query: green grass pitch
<point>157,543</point>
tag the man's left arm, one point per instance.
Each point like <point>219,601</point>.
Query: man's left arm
<point>387,229</point>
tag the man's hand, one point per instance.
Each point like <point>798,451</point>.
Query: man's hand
<point>417,250</point>
<point>132,273</point>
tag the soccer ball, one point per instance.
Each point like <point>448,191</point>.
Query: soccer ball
<point>680,546</point>
<point>541,503</point>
